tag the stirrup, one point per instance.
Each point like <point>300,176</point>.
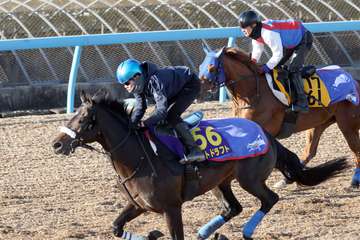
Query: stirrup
<point>187,160</point>
<point>298,108</point>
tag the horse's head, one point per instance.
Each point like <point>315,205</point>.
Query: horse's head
<point>80,129</point>
<point>212,68</point>
<point>227,66</point>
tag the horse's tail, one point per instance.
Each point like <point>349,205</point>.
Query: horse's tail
<point>291,167</point>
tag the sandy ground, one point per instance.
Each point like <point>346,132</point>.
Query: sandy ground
<point>47,196</point>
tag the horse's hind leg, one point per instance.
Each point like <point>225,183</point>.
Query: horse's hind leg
<point>268,199</point>
<point>347,117</point>
<point>127,214</point>
<point>231,208</point>
<point>352,138</point>
<point>312,142</point>
<point>251,176</point>
<point>174,223</point>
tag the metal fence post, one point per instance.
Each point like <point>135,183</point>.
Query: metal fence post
<point>222,94</point>
<point>72,79</point>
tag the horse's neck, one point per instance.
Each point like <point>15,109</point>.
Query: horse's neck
<point>245,88</point>
<point>114,133</point>
<point>240,81</point>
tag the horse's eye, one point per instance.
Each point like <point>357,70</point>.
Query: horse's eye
<point>211,68</point>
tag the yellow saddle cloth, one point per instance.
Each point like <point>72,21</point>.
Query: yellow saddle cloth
<point>314,87</point>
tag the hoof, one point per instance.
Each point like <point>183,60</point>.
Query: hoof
<point>355,181</point>
<point>153,235</point>
<point>247,238</point>
<point>280,184</point>
<point>219,236</point>
<point>355,184</point>
<point>117,231</point>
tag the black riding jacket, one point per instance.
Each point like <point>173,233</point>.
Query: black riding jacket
<point>161,84</point>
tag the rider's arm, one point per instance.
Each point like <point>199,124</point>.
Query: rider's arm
<point>257,50</point>
<point>273,40</point>
<point>140,108</point>
<point>161,103</point>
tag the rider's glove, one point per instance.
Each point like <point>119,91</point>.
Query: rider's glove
<point>265,69</point>
<point>134,125</point>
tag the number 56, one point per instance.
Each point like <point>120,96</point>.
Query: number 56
<point>212,137</point>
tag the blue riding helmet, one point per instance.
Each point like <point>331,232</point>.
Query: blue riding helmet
<point>127,69</point>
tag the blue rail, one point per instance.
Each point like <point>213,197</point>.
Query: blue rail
<point>155,36</point>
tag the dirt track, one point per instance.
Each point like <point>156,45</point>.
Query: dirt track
<point>45,196</point>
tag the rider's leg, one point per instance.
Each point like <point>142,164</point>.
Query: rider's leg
<point>300,104</point>
<point>178,105</point>
<point>296,63</point>
<point>194,153</point>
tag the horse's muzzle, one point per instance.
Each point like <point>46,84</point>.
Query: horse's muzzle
<point>61,148</point>
<point>57,146</point>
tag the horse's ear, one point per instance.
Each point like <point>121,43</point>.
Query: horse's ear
<point>129,105</point>
<point>220,52</point>
<point>206,48</point>
<point>83,96</point>
<point>100,94</point>
<point>231,51</point>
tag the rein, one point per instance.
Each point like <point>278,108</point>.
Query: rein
<point>240,78</point>
<point>78,142</point>
<point>138,137</point>
<point>138,167</point>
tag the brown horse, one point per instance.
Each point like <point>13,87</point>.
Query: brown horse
<point>155,181</point>
<point>253,99</point>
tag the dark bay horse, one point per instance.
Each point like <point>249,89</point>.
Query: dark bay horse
<point>149,183</point>
<point>253,99</point>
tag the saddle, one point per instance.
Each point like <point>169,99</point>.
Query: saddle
<point>190,172</point>
<point>323,87</point>
<point>192,120</point>
<point>314,87</point>
<point>221,140</point>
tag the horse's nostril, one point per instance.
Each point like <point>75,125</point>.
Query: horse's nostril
<point>57,145</point>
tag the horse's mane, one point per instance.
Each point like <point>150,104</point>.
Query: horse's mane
<point>241,56</point>
<point>103,98</point>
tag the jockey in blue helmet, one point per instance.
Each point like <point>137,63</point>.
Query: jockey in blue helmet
<point>285,38</point>
<point>173,89</point>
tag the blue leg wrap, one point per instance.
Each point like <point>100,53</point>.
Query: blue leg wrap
<point>356,177</point>
<point>130,236</point>
<point>252,223</point>
<point>209,228</point>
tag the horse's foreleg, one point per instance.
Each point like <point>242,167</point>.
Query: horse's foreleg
<point>174,223</point>
<point>127,214</point>
<point>231,208</point>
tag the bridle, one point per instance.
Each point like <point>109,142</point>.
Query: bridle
<point>230,84</point>
<point>78,141</point>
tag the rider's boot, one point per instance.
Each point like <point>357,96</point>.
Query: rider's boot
<point>300,104</point>
<point>194,153</point>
